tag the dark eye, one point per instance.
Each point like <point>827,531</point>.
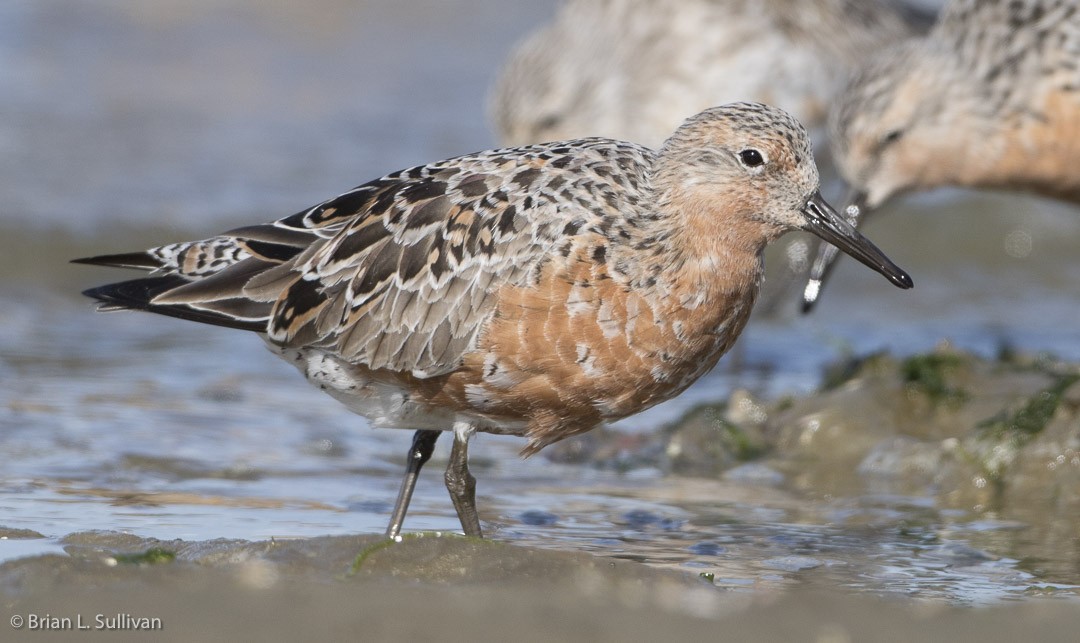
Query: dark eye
<point>891,137</point>
<point>751,158</point>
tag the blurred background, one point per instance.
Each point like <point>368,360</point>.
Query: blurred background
<point>127,124</point>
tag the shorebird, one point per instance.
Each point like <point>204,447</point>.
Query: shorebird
<point>990,98</point>
<point>536,291</point>
<point>634,69</point>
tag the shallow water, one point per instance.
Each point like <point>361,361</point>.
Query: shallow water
<point>123,127</point>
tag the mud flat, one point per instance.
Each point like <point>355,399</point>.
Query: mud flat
<point>449,588</point>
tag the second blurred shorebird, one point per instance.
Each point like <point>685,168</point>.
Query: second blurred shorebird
<point>989,99</point>
<point>634,69</point>
<point>536,291</point>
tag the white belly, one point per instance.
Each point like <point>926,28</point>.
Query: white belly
<point>384,404</point>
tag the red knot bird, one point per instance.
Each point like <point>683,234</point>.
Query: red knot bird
<point>535,291</point>
<point>990,98</point>
<point>634,69</point>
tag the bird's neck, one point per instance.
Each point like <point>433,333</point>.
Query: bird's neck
<point>696,251</point>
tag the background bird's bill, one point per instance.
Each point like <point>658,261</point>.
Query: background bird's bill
<point>825,222</point>
<point>826,254</point>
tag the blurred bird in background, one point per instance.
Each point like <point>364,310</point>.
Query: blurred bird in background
<point>990,98</point>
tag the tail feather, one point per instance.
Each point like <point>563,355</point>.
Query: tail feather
<point>139,294</point>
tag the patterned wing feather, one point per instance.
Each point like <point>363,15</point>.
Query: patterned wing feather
<point>408,282</point>
<point>400,273</point>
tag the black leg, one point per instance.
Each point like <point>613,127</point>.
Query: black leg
<point>419,453</point>
<point>462,485</point>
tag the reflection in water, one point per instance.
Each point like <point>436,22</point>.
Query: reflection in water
<point>915,552</point>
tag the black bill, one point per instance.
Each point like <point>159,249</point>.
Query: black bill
<point>827,223</point>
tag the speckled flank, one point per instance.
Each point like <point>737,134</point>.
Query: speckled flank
<point>634,69</point>
<point>990,98</point>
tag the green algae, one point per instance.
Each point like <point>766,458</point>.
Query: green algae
<point>152,556</point>
<point>740,443</point>
<point>705,442</point>
<point>367,552</point>
<point>1029,420</point>
<point>932,374</point>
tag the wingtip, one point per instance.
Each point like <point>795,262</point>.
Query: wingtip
<point>140,294</point>
<point>92,293</point>
<point>135,294</point>
<point>137,260</point>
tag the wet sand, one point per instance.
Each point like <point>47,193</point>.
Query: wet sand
<point>451,589</point>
